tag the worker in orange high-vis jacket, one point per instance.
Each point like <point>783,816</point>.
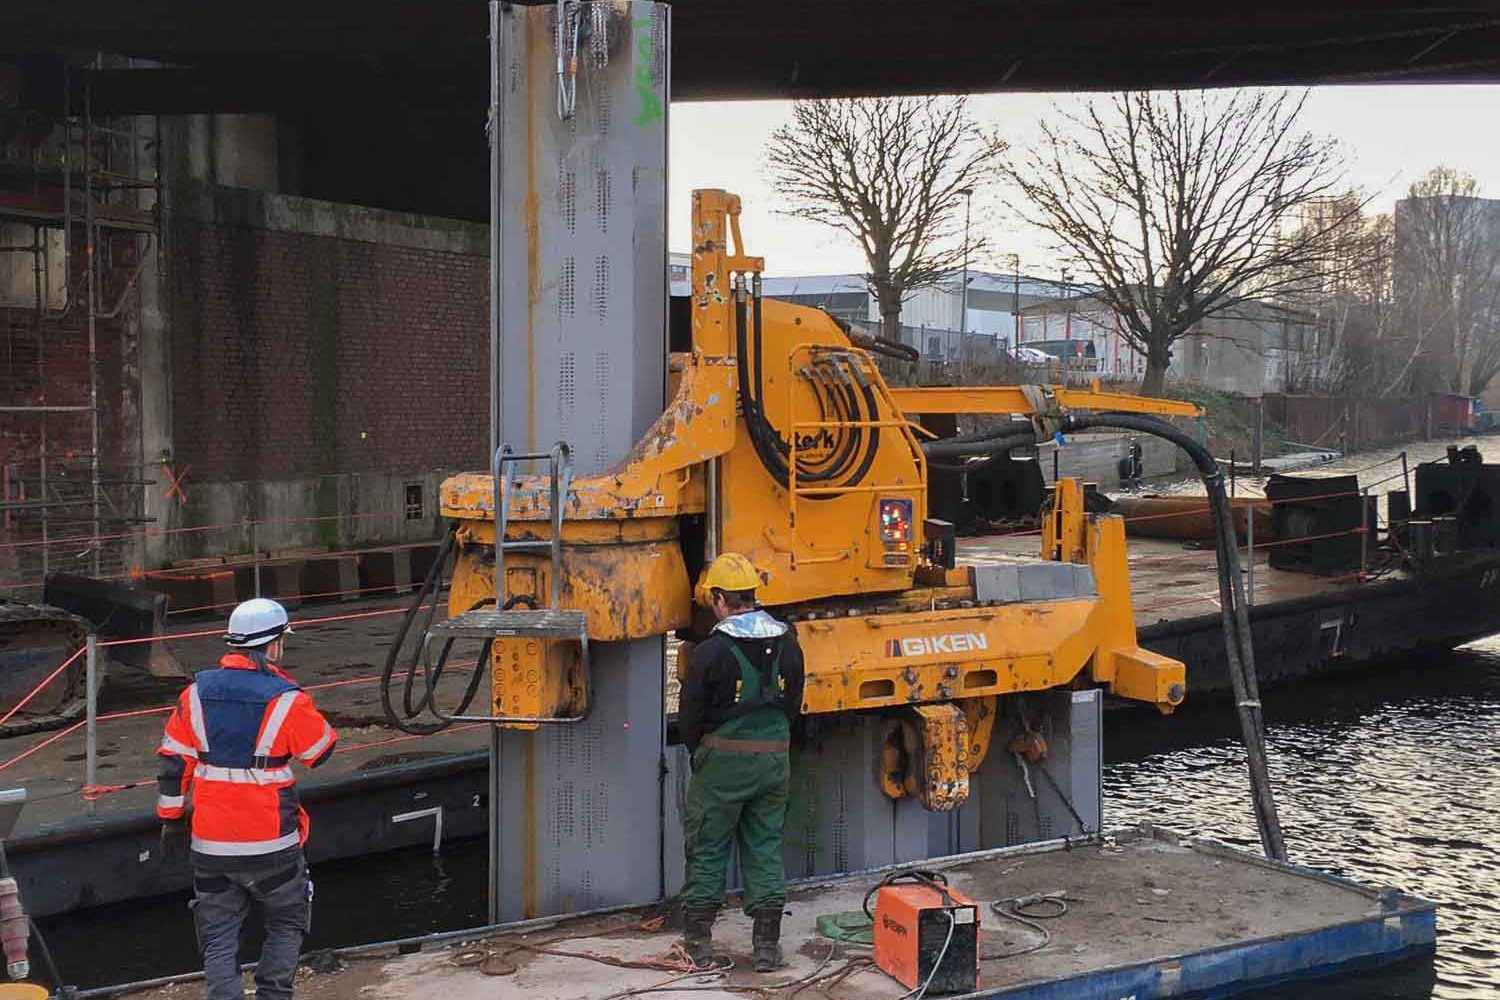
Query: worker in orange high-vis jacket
<point>227,757</point>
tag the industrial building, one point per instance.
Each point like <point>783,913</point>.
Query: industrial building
<point>937,319</point>
<point>200,361</point>
<point>1253,348</point>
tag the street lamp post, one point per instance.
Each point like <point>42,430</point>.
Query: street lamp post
<point>963,289</point>
<point>1067,325</point>
<point>1015,302</point>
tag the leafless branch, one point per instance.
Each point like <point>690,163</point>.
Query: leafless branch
<point>1448,268</point>
<point>897,175</point>
<point>1180,206</point>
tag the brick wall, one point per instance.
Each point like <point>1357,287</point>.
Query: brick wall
<point>319,361</point>
<point>297,355</point>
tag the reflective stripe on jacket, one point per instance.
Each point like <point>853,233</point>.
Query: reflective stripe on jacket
<point>228,746</point>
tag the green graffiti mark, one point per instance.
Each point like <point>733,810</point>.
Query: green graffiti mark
<point>651,109</point>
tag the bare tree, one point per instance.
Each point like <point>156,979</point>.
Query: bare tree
<point>1448,273</point>
<point>1180,206</point>
<point>1362,346</point>
<point>895,173</point>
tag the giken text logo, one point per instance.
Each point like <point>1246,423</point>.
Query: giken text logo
<point>936,645</point>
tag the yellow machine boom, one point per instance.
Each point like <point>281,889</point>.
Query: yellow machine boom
<point>783,441</point>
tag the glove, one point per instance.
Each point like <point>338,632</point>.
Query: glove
<point>175,840</point>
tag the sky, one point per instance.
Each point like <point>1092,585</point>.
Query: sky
<point>1390,136</point>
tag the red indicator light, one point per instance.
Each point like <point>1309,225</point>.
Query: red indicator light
<point>895,521</point>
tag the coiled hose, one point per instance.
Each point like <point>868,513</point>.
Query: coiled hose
<point>407,720</point>
<point>1238,649</point>
<point>854,400</point>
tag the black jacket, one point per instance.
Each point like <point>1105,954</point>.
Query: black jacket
<point>708,684</point>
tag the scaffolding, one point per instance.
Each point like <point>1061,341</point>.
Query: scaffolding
<point>94,188</point>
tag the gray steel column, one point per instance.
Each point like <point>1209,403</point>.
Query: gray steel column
<point>838,819</point>
<point>580,308</point>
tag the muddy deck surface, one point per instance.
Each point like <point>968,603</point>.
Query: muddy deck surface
<point>1169,579</point>
<point>1133,901</point>
<point>338,662</point>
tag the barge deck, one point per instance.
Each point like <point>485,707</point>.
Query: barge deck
<point>1149,914</point>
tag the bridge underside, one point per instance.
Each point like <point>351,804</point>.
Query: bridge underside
<point>280,55</point>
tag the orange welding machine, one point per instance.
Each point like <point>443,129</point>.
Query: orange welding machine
<point>926,934</point>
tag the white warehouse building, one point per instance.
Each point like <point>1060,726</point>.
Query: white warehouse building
<point>931,317</point>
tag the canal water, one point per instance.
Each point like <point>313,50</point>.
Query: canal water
<point>1393,777</point>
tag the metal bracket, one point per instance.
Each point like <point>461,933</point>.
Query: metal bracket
<point>549,623</point>
<point>926,756</point>
<point>436,813</point>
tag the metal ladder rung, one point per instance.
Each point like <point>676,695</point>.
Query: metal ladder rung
<point>539,545</point>
<point>550,622</point>
<point>557,623</point>
<point>503,471</point>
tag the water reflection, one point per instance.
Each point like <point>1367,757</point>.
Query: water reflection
<point>1391,778</point>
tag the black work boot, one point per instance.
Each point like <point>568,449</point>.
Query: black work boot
<point>765,937</point>
<point>697,933</point>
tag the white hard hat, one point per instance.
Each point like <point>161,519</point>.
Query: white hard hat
<point>257,622</point>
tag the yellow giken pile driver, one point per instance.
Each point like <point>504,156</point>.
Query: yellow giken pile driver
<point>783,442</point>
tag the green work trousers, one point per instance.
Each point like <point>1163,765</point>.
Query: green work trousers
<point>736,797</point>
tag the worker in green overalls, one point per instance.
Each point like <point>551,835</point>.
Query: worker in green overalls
<point>740,691</point>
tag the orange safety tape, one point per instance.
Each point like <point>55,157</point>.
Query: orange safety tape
<point>137,573</point>
<point>158,574</point>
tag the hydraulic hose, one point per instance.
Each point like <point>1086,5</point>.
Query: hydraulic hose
<point>999,443</point>
<point>773,450</point>
<point>879,345</point>
<point>1238,648</point>
<point>829,393</point>
<point>407,719</point>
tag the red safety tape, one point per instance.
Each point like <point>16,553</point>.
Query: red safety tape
<point>178,635</point>
<point>38,689</point>
<point>218,526</point>
<point>301,597</point>
<point>298,623</point>
<point>42,744</point>
<point>93,792</point>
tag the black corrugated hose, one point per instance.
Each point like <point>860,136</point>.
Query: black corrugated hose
<point>1238,648</point>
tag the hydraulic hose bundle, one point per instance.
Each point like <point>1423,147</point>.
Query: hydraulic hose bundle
<point>1236,618</point>
<point>844,395</point>
<point>407,720</point>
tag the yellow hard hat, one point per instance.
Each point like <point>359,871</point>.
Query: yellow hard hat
<point>23,991</point>
<point>731,571</point>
